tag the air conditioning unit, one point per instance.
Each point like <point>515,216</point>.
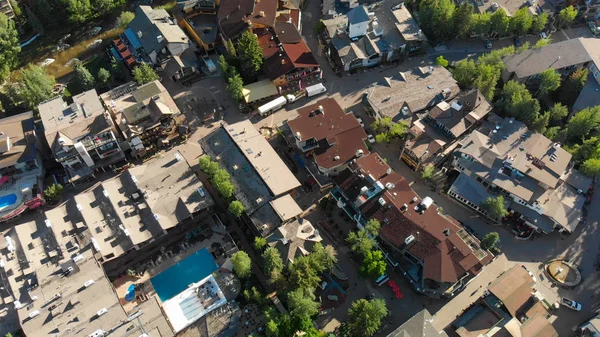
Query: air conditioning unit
<point>101,312</point>
<point>88,283</point>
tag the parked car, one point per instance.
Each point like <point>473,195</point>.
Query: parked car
<point>570,304</point>
<point>360,121</point>
<point>488,44</point>
<point>517,41</point>
<point>543,35</point>
<point>370,138</point>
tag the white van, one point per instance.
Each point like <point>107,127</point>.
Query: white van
<point>316,89</point>
<point>272,106</point>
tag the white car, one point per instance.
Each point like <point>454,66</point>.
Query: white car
<point>543,35</point>
<point>371,138</point>
<point>360,121</point>
<point>570,304</point>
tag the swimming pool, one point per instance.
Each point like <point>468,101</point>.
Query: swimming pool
<point>189,270</point>
<point>8,200</point>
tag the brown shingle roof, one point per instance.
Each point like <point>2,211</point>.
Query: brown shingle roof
<point>445,257</point>
<point>343,149</point>
<point>513,288</point>
<point>264,12</point>
<point>372,164</point>
<point>234,16</point>
<point>319,126</point>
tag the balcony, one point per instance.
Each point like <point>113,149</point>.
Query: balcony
<point>93,142</point>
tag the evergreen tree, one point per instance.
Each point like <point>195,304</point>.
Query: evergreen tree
<point>249,54</point>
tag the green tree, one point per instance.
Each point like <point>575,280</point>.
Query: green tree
<point>566,17</point>
<point>499,23</point>
<point>490,240</point>
<point>436,19</point>
<point>540,123</point>
<point>117,70</point>
<point>570,88</point>
<point>427,172</point>
<point>462,20</point>
<point>589,148</point>
<point>144,73</point>
<point>373,265</point>
<point>549,81</point>
<point>79,10</point>
<point>103,77</point>
<point>487,79</point>
<point>224,66</point>
<point>53,193</point>
<point>208,166</point>
<point>271,329</point>
<point>372,227</point>
<point>236,208</point>
<point>495,207</point>
<point>360,242</point>
<point>259,243</point>
<point>553,133</point>
<point>231,48</point>
<point>9,46</point>
<point>84,79</point>
<point>235,85</point>
<point>558,112</point>
<point>34,87</point>
<point>388,129</point>
<point>480,24</point>
<point>542,43</point>
<point>272,263</point>
<point>521,21</point>
<point>242,265</point>
<point>302,303</point>
<point>250,54</point>
<point>539,23</point>
<point>365,317</point>
<point>124,19</point>
<point>222,183</point>
<point>591,167</point>
<point>580,125</point>
<point>304,273</point>
<point>441,61</point>
<point>323,256</point>
<point>516,101</point>
<point>465,72</point>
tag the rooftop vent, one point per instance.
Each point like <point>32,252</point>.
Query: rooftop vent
<point>446,232</point>
<point>259,200</point>
<point>405,111</point>
<point>511,120</point>
<point>457,106</point>
<point>101,312</point>
<point>336,158</point>
<point>284,241</point>
<point>261,14</point>
<point>34,313</point>
<point>389,171</point>
<point>381,201</point>
<point>359,152</point>
<point>88,283</point>
<point>79,208</point>
<point>556,145</point>
<point>409,240</point>
<point>98,333</point>
<point>404,207</point>
<point>415,199</point>
<point>320,109</point>
<point>48,223</point>
<point>364,190</point>
<point>389,186</point>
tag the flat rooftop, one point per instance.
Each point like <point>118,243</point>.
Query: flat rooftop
<point>261,155</point>
<point>14,146</point>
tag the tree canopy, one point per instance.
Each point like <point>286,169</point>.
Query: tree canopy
<point>566,16</point>
<point>125,18</point>
<point>591,167</point>
<point>387,129</point>
<point>516,101</point>
<point>144,73</point>
<point>490,240</point>
<point>373,265</point>
<point>549,81</point>
<point>272,263</point>
<point>365,317</point>
<point>521,22</point>
<point>236,208</point>
<point>441,61</point>
<point>103,76</point>
<point>324,256</point>
<point>580,125</point>
<point>259,243</point>
<point>437,19</point>
<point>84,79</point>
<point>372,227</point>
<point>360,242</point>
<point>305,273</point>
<point>34,87</point>
<point>9,46</point>
<point>302,303</point>
<point>242,265</point>
<point>250,54</point>
<point>495,207</point>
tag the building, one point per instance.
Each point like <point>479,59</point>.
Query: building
<point>142,204</point>
<point>433,136</point>
<point>258,174</point>
<point>365,39</point>
<point>402,96</point>
<point>591,328</point>
<point>146,115</point>
<point>21,166</point>
<point>564,57</point>
<point>432,250</point>
<point>81,135</point>
<point>157,34</point>
<point>418,326</point>
<point>332,137</point>
<point>236,16</point>
<point>198,19</point>
<point>287,58</point>
<point>511,7</point>
<point>510,307</point>
<point>59,288</point>
<point>534,174</point>
<point>6,8</point>
<point>294,239</point>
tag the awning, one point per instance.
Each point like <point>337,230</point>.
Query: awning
<point>259,90</point>
<point>132,38</point>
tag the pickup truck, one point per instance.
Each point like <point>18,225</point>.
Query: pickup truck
<point>570,304</point>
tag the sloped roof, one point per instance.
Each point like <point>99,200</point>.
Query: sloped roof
<point>153,23</point>
<point>357,15</point>
<point>294,239</point>
<point>472,108</point>
<point>16,147</point>
<point>513,288</point>
<point>418,326</point>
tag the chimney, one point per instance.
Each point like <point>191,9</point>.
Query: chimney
<point>283,61</point>
<point>261,14</point>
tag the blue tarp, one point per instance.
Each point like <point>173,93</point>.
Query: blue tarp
<point>132,38</point>
<point>130,295</point>
<point>116,54</point>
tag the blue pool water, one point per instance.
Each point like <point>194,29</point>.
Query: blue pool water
<point>8,200</point>
<point>189,270</point>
